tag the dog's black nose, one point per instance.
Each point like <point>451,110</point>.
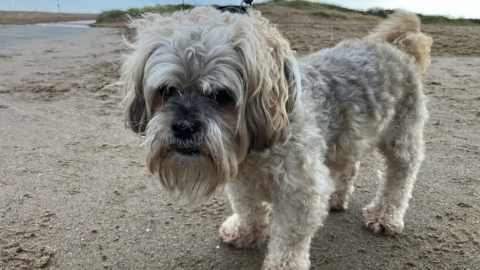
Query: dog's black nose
<point>184,129</point>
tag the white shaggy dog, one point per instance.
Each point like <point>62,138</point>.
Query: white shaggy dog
<point>221,100</point>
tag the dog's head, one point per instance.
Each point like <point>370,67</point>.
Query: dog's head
<point>204,88</point>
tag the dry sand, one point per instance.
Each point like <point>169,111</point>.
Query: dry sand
<point>75,193</point>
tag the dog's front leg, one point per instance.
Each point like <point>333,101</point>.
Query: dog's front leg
<point>247,227</point>
<point>298,209</point>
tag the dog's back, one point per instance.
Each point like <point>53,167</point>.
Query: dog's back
<point>359,86</point>
<point>356,88</point>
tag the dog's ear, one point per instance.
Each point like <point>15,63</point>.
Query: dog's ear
<point>138,103</point>
<point>292,78</point>
<point>137,111</point>
<point>271,83</point>
<point>136,114</point>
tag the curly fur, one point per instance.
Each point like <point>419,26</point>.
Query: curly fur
<point>291,141</point>
<point>402,29</point>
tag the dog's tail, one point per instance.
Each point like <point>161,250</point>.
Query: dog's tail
<point>402,29</point>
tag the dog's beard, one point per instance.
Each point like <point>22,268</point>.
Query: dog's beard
<point>190,170</point>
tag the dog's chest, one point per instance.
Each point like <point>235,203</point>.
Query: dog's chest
<point>254,172</point>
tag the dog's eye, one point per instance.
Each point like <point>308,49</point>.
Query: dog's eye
<point>221,97</point>
<point>166,92</point>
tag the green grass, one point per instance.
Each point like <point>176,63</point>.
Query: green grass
<point>302,6</point>
<point>327,11</point>
<point>117,15</point>
<point>443,20</point>
<point>429,19</point>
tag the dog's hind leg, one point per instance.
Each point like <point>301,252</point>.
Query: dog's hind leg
<point>343,180</point>
<point>403,149</point>
<point>248,226</point>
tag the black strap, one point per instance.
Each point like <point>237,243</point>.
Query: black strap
<point>233,9</point>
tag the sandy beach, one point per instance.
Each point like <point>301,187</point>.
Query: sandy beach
<point>75,192</point>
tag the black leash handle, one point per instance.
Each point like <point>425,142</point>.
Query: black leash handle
<point>236,9</point>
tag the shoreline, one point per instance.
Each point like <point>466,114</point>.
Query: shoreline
<point>33,17</point>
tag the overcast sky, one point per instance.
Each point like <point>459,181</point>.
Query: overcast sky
<point>455,8</point>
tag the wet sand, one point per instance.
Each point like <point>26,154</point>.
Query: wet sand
<point>30,17</point>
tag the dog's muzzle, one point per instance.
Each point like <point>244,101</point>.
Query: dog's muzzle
<point>188,123</point>
<point>184,130</point>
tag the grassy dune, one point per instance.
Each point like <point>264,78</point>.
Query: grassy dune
<point>326,10</point>
<point>448,21</point>
<point>117,15</point>
<point>303,7</point>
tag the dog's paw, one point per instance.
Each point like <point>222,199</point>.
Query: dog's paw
<point>282,257</point>
<point>384,222</point>
<point>286,266</point>
<point>277,267</point>
<point>338,202</point>
<point>236,233</point>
